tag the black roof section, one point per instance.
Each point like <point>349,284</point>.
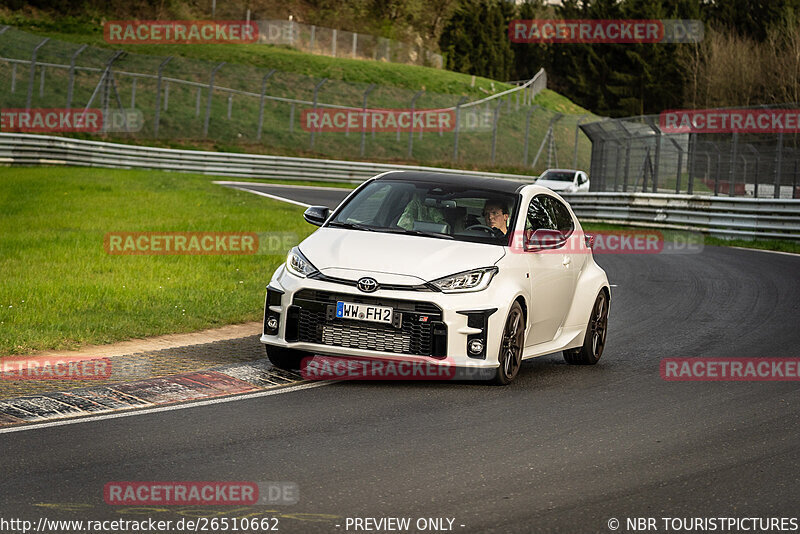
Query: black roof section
<point>464,180</point>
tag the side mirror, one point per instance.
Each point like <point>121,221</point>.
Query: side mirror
<point>545,239</point>
<point>317,215</point>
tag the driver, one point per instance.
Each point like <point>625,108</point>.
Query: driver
<point>496,214</point>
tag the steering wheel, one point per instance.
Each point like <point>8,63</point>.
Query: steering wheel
<point>488,229</point>
<point>480,227</point>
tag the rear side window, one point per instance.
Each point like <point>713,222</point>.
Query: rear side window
<point>560,214</point>
<point>539,216</point>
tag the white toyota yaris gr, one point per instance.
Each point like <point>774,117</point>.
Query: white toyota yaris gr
<point>460,271</point>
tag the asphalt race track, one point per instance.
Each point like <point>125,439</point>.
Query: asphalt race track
<point>563,449</point>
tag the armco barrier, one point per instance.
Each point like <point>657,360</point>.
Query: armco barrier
<point>28,149</point>
<point>727,217</point>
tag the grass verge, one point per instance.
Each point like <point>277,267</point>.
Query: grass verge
<point>61,289</point>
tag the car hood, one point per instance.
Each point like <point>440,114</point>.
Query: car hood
<point>393,258</point>
<point>555,185</point>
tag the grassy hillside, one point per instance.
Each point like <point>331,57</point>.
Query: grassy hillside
<point>234,117</point>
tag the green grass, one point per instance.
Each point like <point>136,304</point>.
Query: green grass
<point>282,58</point>
<point>61,289</point>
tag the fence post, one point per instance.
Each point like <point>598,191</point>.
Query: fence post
<point>657,163</point>
<point>333,43</point>
<point>230,105</point>
<point>291,118</point>
<point>32,75</point>
<point>734,151</point>
<point>264,80</point>
<point>778,157</point>
<point>527,133</point>
<point>210,95</point>
<point>458,126</point>
<point>692,155</point>
<point>41,82</point>
<point>104,79</point>
<point>617,160</point>
<point>157,118</point>
<point>316,93</point>
<point>14,77</point>
<point>355,44</point>
<point>627,166</point>
<point>758,164</point>
<point>411,132</point>
<point>166,96</point>
<point>364,118</point>
<point>575,151</point>
<point>133,93</point>
<point>494,129</point>
<point>678,173</point>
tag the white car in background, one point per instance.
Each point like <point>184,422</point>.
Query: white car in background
<point>467,272</point>
<point>564,180</point>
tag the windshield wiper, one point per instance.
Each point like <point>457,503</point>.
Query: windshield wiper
<point>354,226</point>
<point>418,232</point>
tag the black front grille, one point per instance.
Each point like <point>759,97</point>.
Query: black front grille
<point>421,332</point>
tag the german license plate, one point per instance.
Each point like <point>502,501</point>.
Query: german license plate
<point>364,312</point>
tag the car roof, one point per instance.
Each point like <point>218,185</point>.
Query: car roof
<point>477,182</point>
<point>563,170</point>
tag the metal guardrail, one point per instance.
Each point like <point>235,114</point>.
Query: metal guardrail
<point>721,216</point>
<point>744,218</point>
<point>28,149</point>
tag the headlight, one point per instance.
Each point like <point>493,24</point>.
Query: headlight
<point>475,280</point>
<point>298,265</point>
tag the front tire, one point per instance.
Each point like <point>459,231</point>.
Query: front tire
<point>287,359</point>
<point>510,356</point>
<point>594,341</point>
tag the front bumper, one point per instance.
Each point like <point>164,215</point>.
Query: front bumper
<point>436,328</point>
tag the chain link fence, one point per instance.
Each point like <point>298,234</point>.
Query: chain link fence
<point>634,154</point>
<point>194,101</point>
<point>340,43</point>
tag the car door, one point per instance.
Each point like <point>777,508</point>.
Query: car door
<point>552,277</point>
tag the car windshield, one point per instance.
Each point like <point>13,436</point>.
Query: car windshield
<point>430,209</point>
<point>558,176</point>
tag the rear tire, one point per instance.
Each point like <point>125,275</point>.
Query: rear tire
<point>510,356</point>
<point>287,359</point>
<point>594,341</point>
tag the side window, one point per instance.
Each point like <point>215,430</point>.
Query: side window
<point>538,216</point>
<point>560,214</point>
